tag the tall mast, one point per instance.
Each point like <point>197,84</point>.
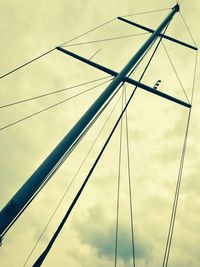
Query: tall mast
<point>31,187</point>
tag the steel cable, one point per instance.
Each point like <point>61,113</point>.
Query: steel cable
<point>70,184</point>
<point>50,107</point>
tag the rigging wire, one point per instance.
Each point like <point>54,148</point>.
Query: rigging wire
<point>155,50</point>
<point>129,76</point>
<point>179,179</point>
<point>129,186</point>
<point>176,197</point>
<point>93,29</point>
<point>126,111</point>
<point>70,184</point>
<point>52,106</point>
<point>42,234</point>
<point>146,67</point>
<point>51,93</point>
<point>61,161</point>
<point>41,258</point>
<point>120,116</point>
<point>107,39</point>
<point>141,77</point>
<point>36,113</point>
<point>147,12</point>
<point>51,50</point>
<point>194,78</point>
<point>73,39</point>
<point>27,63</point>
<point>188,29</point>
<point>119,183</point>
<point>175,71</point>
<point>130,194</point>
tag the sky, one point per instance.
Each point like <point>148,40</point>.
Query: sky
<point>156,134</point>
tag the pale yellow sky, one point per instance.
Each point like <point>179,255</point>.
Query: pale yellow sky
<point>156,130</point>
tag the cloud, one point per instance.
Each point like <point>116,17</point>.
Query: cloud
<point>98,231</point>
<point>156,128</point>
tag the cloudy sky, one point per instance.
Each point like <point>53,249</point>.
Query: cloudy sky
<point>156,133</point>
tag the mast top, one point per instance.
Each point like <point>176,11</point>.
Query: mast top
<point>177,7</point>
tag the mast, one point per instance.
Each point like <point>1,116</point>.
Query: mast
<point>31,187</point>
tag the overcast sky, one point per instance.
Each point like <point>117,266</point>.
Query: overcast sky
<point>156,133</point>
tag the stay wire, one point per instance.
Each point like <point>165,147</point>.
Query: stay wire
<point>89,89</point>
<point>129,187</point>
<point>71,183</point>
<point>118,183</point>
<point>80,137</point>
<point>152,56</point>
<point>194,76</point>
<point>54,92</point>
<point>52,106</point>
<point>61,161</point>
<point>65,156</point>
<point>51,93</point>
<point>41,258</point>
<point>54,170</point>
<point>58,165</point>
<point>89,126</point>
<point>176,73</point>
<point>176,197</point>
<point>118,188</point>
<point>147,12</point>
<point>130,74</point>
<point>73,39</point>
<point>146,67</point>
<point>188,29</point>
<point>130,193</point>
<point>111,99</point>
<point>179,179</point>
<point>93,29</point>
<point>106,39</point>
<point>53,49</point>
<point>27,63</point>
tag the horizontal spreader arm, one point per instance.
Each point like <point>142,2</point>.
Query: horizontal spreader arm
<point>161,35</point>
<point>126,79</point>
